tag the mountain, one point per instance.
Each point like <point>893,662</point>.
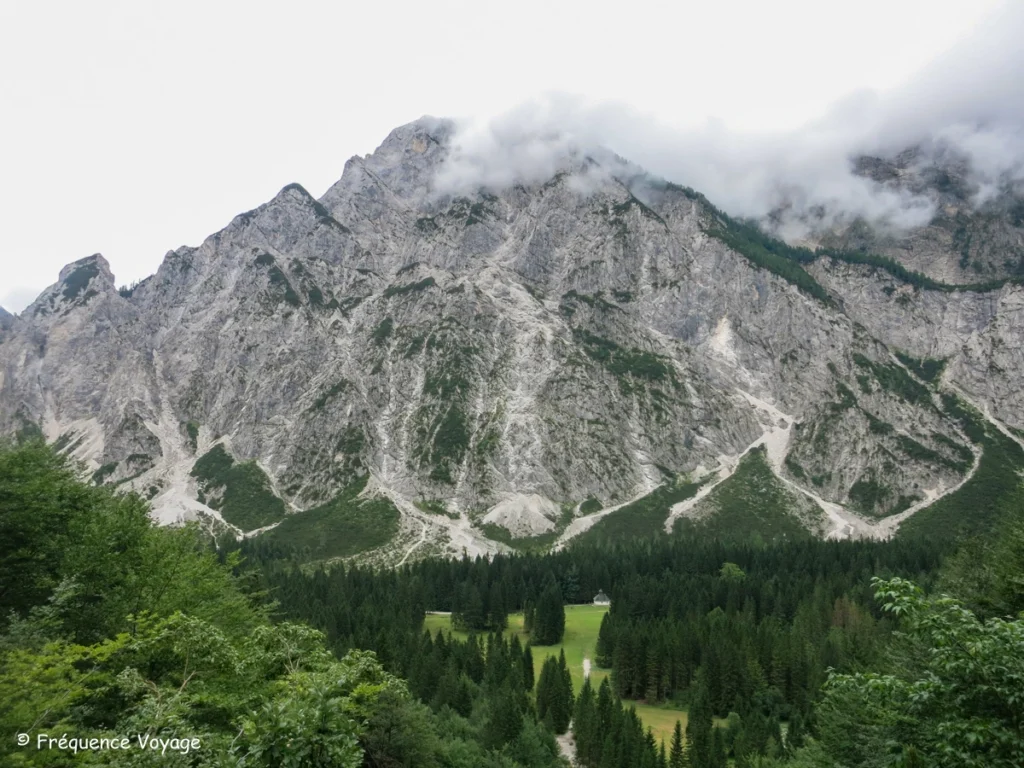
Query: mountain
<point>976,234</point>
<point>392,370</point>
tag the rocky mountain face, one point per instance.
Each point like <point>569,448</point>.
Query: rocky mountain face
<point>7,321</point>
<point>975,236</point>
<point>482,365</point>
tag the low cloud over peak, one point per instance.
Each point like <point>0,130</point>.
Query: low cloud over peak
<point>964,112</point>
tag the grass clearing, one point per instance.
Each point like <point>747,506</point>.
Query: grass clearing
<point>582,623</point>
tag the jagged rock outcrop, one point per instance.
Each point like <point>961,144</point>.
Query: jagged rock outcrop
<point>550,342</point>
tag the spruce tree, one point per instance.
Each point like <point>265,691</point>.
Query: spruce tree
<point>496,610</point>
<point>677,757</point>
<point>506,716</point>
<point>528,675</point>
<point>605,650</point>
<point>562,697</point>
<point>546,687</point>
<point>529,616</point>
<point>585,725</point>
<point>473,609</point>
<point>717,758</point>
<point>699,726</point>
<point>549,623</point>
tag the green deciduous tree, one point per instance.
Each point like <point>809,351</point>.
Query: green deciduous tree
<point>954,699</point>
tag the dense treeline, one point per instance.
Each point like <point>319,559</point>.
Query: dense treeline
<point>785,655</point>
<point>609,735</point>
<point>730,631</point>
<point>662,630</point>
<point>355,601</point>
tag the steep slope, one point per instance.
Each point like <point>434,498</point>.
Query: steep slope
<point>489,356</point>
<point>7,321</point>
<point>754,503</point>
<point>976,233</point>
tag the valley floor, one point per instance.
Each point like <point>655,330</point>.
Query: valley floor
<point>582,623</point>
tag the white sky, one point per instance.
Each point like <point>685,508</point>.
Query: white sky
<point>131,128</point>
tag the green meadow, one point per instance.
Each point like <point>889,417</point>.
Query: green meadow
<point>582,623</point>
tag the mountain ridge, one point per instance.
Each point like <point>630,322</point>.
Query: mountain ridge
<point>581,337</point>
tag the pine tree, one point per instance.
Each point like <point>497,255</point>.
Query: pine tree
<point>529,616</point>
<point>717,758</point>
<point>571,584</point>
<point>605,705</point>
<point>528,677</point>
<point>549,623</point>
<point>506,717</point>
<point>447,688</point>
<point>677,758</point>
<point>699,726</point>
<point>547,685</point>
<point>554,694</point>
<point>473,609</point>
<point>585,725</point>
<point>497,614</point>
<point>605,651</point>
<point>562,696</point>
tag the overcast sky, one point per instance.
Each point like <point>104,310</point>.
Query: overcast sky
<point>131,128</point>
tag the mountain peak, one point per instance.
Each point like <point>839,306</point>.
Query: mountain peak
<point>95,265</point>
<point>86,277</point>
<point>404,164</point>
<point>414,136</point>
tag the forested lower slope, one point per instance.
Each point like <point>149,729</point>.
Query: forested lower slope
<point>806,653</point>
<point>113,628</point>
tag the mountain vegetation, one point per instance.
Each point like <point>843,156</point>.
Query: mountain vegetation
<point>801,653</point>
<point>113,628</point>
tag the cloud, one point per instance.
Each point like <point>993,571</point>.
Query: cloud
<point>524,146</point>
<point>967,106</point>
<point>16,299</point>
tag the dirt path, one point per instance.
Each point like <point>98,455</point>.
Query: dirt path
<point>567,745</point>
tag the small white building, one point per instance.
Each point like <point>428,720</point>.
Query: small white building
<point>602,599</point>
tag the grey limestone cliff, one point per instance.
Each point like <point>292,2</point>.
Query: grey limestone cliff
<point>522,348</point>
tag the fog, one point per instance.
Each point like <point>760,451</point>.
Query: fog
<point>967,106</point>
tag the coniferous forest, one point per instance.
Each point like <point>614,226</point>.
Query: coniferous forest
<point>219,653</point>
